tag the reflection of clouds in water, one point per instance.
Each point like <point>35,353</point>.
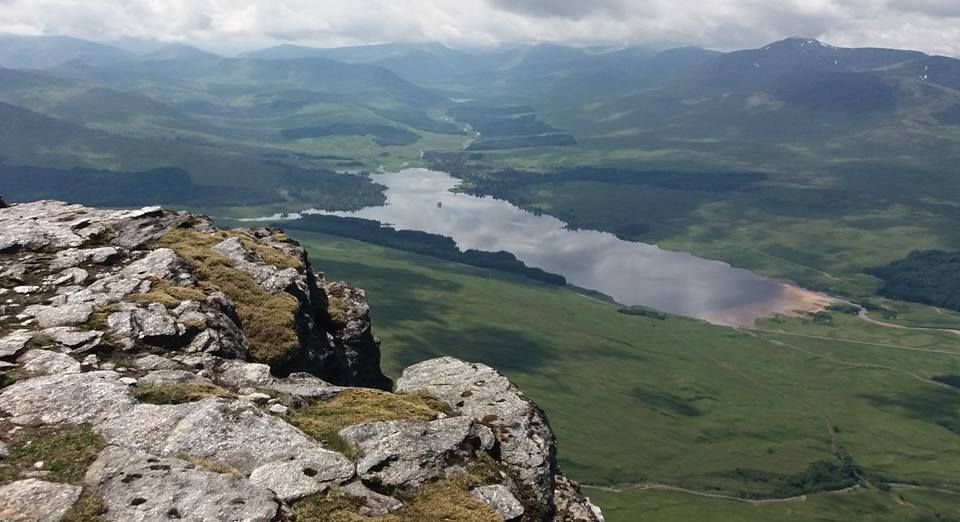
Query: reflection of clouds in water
<point>631,273</point>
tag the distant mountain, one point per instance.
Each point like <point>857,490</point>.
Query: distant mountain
<point>88,104</point>
<point>237,75</point>
<point>419,63</point>
<point>180,52</point>
<point>42,52</point>
<point>791,88</point>
<point>758,68</point>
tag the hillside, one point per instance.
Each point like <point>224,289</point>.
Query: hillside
<point>42,52</point>
<point>160,368</point>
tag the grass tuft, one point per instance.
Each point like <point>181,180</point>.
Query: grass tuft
<point>169,294</point>
<point>66,452</point>
<point>447,500</point>
<point>323,420</point>
<point>178,393</point>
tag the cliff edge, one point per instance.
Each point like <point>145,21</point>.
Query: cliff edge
<point>156,368</point>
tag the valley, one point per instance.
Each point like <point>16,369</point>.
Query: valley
<point>738,188</point>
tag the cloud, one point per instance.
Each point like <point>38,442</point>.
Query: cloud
<point>574,9</point>
<point>928,25</point>
<point>949,8</point>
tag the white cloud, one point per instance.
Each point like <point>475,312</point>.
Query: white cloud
<point>928,25</point>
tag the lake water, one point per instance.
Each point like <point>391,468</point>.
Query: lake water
<point>632,273</point>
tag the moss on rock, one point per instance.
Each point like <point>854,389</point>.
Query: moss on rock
<point>268,320</point>
<point>323,420</point>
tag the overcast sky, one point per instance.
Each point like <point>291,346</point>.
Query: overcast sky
<point>928,25</point>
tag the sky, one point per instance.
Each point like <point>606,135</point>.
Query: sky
<point>927,25</point>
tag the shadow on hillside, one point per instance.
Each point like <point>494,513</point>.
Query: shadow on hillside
<point>504,349</point>
<point>392,292</point>
<point>939,406</point>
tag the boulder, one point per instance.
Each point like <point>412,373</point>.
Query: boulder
<point>295,479</point>
<point>140,488</point>
<point>93,397</point>
<point>410,453</point>
<point>45,362</point>
<point>231,432</point>
<point>74,257</point>
<point>501,500</point>
<point>374,504</point>
<point>162,263</point>
<point>73,337</point>
<point>64,315</point>
<point>34,500</point>
<point>14,343</point>
<point>239,374</point>
<point>478,391</point>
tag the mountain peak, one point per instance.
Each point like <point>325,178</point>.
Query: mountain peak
<point>799,43</point>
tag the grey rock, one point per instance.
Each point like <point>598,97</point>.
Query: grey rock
<point>155,362</point>
<point>501,500</point>
<point>154,322</point>
<point>162,263</point>
<point>411,453</point>
<point>66,315</point>
<point>34,500</point>
<point>480,392</point>
<point>139,488</point>
<point>374,504</point>
<point>121,324</point>
<point>26,290</point>
<point>161,377</point>
<point>238,374</point>
<point>278,409</point>
<point>232,432</point>
<point>92,397</point>
<point>295,479</point>
<point>48,225</point>
<point>129,381</point>
<point>571,502</point>
<point>15,343</point>
<point>72,337</point>
<point>44,362</point>
<point>271,278</point>
<point>4,450</point>
<point>75,257</point>
<point>305,386</point>
<point>74,276</point>
<point>16,272</point>
<point>256,398</point>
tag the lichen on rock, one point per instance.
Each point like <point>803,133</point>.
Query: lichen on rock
<point>154,367</point>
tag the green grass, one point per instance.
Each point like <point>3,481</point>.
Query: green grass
<point>677,402</point>
<point>65,451</point>
<point>899,505</point>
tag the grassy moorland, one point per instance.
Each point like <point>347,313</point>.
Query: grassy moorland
<point>794,407</point>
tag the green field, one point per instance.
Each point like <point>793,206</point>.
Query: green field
<point>677,402</point>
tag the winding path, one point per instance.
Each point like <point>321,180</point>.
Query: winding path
<point>866,317</point>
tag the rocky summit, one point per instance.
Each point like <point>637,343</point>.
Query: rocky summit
<point>154,367</point>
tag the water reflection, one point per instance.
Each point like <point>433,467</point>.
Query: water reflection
<point>632,273</point>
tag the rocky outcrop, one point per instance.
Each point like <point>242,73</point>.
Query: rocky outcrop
<point>178,371</point>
